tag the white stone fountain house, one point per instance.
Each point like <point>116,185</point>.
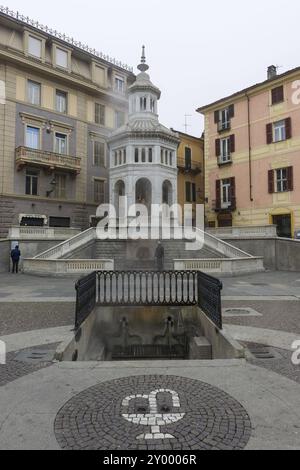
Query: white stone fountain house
<point>143,153</point>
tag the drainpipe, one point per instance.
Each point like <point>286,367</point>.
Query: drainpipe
<point>249,150</point>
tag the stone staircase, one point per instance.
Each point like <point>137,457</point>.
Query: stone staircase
<point>140,255</point>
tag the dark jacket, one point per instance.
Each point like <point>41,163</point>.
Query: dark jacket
<point>160,252</point>
<point>15,255</point>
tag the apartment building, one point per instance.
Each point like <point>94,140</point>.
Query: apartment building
<point>59,101</point>
<point>190,163</point>
<point>252,149</point>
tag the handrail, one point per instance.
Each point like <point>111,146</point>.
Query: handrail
<point>221,246</point>
<point>62,249</point>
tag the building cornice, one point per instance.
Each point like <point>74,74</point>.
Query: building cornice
<point>32,25</point>
<point>40,67</point>
<point>251,91</point>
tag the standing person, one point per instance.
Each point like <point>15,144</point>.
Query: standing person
<point>15,256</point>
<point>160,256</point>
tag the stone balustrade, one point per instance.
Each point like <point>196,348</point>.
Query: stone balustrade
<point>42,233</point>
<point>254,231</point>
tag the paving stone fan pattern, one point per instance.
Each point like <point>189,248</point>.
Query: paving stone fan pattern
<point>153,413</point>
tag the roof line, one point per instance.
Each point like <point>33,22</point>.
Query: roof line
<point>250,88</point>
<point>63,37</point>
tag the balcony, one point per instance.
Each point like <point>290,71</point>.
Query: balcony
<point>48,160</point>
<point>224,126</point>
<point>220,206</point>
<point>185,167</point>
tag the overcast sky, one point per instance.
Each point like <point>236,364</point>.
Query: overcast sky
<point>198,51</point>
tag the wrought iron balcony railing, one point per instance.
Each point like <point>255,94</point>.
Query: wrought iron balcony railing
<point>49,160</point>
<point>224,126</point>
<point>220,206</point>
<point>188,167</point>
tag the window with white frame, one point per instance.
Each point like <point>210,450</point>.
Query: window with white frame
<point>32,139</point>
<point>60,187</point>
<point>279,131</point>
<point>224,118</point>
<point>282,180</point>
<point>119,84</point>
<point>61,58</point>
<point>99,154</point>
<point>61,143</point>
<point>99,191</point>
<point>61,101</point>
<point>225,192</point>
<point>35,47</point>
<point>225,150</point>
<point>31,183</point>
<point>34,93</point>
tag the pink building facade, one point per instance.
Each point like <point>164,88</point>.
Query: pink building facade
<point>252,155</point>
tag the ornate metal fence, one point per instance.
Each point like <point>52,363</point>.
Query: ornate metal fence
<point>85,298</point>
<point>147,288</point>
<point>209,298</point>
<point>168,288</point>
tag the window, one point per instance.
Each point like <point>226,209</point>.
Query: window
<point>136,155</point>
<point>143,155</point>
<point>150,155</point>
<point>31,188</point>
<point>225,151</point>
<point>190,190</point>
<point>188,158</point>
<point>33,137</point>
<point>35,47</point>
<point>99,191</point>
<point>61,143</point>
<point>61,58</point>
<point>152,105</point>
<point>99,154</point>
<point>282,180</point>
<point>60,188</point>
<point>120,119</point>
<point>34,93</point>
<point>223,117</point>
<point>119,85</point>
<point>225,191</point>
<point>143,104</point>
<point>279,131</point>
<point>277,95</point>
<point>62,222</point>
<point>61,101</point>
<point>100,114</point>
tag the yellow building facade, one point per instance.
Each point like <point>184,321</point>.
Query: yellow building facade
<point>190,162</point>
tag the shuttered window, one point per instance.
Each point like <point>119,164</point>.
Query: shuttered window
<point>277,95</point>
<point>99,154</point>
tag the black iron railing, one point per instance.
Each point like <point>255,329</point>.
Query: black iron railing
<point>168,288</point>
<point>209,298</point>
<point>85,298</point>
<point>147,288</point>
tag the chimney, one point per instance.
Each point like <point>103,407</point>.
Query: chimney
<point>272,72</point>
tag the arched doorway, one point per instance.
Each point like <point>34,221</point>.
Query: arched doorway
<point>143,193</point>
<point>167,193</point>
<point>119,192</point>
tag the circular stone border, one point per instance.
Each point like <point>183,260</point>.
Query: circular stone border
<point>153,413</point>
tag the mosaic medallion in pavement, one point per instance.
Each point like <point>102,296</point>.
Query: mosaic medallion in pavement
<point>153,413</point>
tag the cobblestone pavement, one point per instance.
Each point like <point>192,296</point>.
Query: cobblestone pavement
<point>276,315</point>
<point>281,363</point>
<point>27,316</point>
<point>153,413</point>
<point>15,368</point>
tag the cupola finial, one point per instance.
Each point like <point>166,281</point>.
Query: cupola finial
<point>143,67</point>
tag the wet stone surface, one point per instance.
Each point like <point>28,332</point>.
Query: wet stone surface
<point>153,413</point>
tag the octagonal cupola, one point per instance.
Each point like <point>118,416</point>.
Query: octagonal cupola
<point>143,95</point>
